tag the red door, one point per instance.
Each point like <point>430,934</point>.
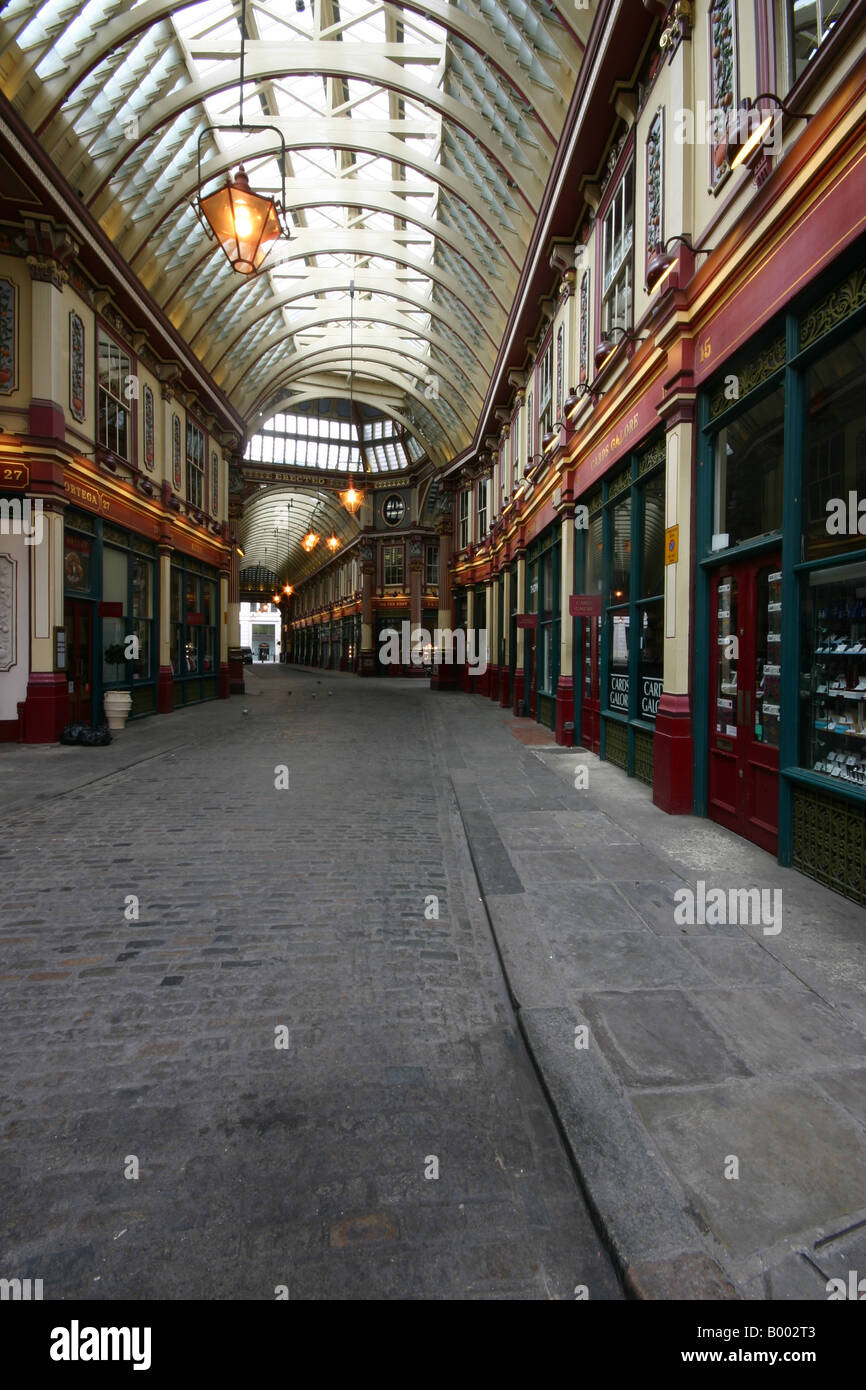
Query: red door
<point>745,679</point>
<point>590,719</point>
<point>79,636</point>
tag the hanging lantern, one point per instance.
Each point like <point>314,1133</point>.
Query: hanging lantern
<point>351,498</point>
<point>245,224</point>
<point>332,543</point>
<point>310,541</point>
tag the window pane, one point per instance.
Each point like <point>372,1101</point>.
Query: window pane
<point>651,621</point>
<point>653,537</point>
<point>748,483</point>
<point>835,449</point>
<point>621,561</point>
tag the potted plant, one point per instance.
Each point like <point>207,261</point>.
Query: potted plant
<point>117,703</point>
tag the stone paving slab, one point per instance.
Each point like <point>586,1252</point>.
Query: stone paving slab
<point>262,914</point>
<point>704,1042</point>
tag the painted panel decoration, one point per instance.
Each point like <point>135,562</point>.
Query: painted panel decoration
<point>721,81</point>
<point>8,606</point>
<point>584,326</point>
<point>149,430</point>
<point>214,482</point>
<point>654,185</point>
<point>76,366</point>
<point>559,344</point>
<point>177,476</point>
<point>8,337</point>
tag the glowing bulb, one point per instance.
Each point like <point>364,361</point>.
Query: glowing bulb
<point>243,225</point>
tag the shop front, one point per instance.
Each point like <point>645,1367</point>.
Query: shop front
<point>194,634</point>
<point>110,601</point>
<point>780,654</point>
<point>542,640</point>
<point>619,613</point>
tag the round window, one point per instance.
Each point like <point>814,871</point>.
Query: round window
<point>393,509</point>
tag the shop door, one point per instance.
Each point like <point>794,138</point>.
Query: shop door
<point>78,619</point>
<point>531,638</point>
<point>591,710</point>
<point>745,656</point>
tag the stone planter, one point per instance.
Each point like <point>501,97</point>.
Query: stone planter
<point>117,705</point>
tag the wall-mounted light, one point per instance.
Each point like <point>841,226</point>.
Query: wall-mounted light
<point>662,264</point>
<point>240,551</point>
<point>580,393</point>
<point>743,120</point>
<point>606,347</point>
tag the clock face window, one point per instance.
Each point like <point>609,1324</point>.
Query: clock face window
<point>394,509</point>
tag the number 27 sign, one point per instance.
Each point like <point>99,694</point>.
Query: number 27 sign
<point>14,475</point>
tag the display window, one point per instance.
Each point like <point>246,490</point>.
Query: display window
<point>193,641</point>
<point>833,695</point>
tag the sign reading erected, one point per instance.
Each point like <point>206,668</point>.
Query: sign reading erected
<point>527,620</point>
<point>672,545</point>
<point>584,605</point>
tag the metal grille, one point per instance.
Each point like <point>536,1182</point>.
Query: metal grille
<point>842,301</point>
<point>616,744</point>
<point>143,699</point>
<point>830,842</point>
<point>750,375</point>
<point>644,743</point>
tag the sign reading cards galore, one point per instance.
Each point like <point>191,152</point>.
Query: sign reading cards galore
<point>650,694</point>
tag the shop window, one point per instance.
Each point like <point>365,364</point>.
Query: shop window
<point>482,508</point>
<point>594,555</point>
<point>652,563</point>
<point>113,408</point>
<point>833,682</point>
<point>835,450</point>
<point>431,564</point>
<point>77,562</point>
<point>195,457</point>
<point>620,579</point>
<point>748,478</point>
<point>617,273</point>
<point>464,518</point>
<point>393,564</point>
<point>809,24</point>
<point>115,576</point>
<point>142,615</point>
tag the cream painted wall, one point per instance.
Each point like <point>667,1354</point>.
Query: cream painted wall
<point>13,680</point>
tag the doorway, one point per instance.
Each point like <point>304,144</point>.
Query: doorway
<point>590,725</point>
<point>531,638</point>
<point>745,711</point>
<point>78,617</point>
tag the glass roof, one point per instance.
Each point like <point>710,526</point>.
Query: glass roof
<point>418,138</point>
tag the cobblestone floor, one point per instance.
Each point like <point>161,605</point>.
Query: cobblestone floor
<point>265,916</point>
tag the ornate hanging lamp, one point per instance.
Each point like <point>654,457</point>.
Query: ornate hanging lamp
<point>351,498</point>
<point>246,224</point>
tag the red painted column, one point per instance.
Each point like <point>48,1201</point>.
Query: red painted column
<point>673,756</point>
<point>565,711</point>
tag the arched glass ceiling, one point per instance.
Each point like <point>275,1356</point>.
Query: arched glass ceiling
<point>332,436</point>
<point>419,139</point>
